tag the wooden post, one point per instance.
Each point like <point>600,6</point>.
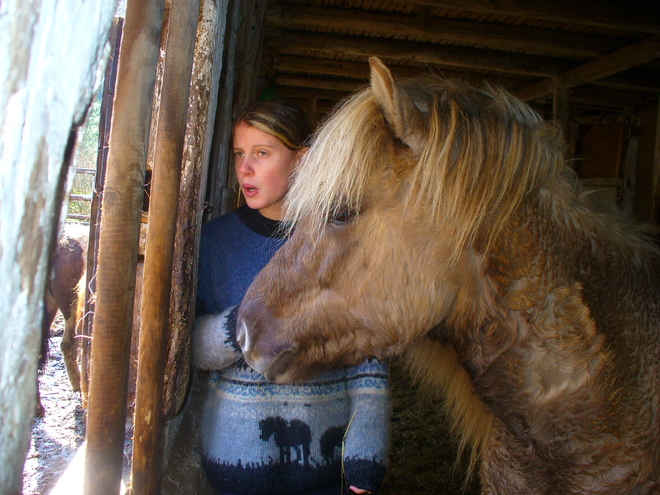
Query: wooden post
<point>655,208</point>
<point>109,83</point>
<point>560,107</point>
<point>44,97</point>
<point>630,164</point>
<point>118,250</point>
<point>207,67</point>
<point>220,156</point>
<point>163,208</point>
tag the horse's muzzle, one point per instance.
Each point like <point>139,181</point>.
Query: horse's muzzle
<point>263,349</point>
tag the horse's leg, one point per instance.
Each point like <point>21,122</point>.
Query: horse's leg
<point>69,347</point>
<point>50,310</point>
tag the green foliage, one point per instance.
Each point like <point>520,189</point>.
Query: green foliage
<point>87,153</point>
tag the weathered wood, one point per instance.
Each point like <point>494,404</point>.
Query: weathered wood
<point>207,67</point>
<point>655,204</point>
<point>220,146</point>
<point>42,109</point>
<point>615,15</point>
<point>454,56</point>
<point>560,107</point>
<point>348,85</point>
<point>171,128</point>
<point>118,250</point>
<point>238,88</point>
<point>250,50</point>
<point>435,30</point>
<point>630,165</point>
<point>623,59</point>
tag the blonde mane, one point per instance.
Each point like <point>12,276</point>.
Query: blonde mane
<point>483,152</point>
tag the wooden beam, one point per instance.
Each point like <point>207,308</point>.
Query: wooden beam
<point>333,67</point>
<point>360,70</point>
<point>320,94</point>
<point>346,85</point>
<point>623,59</point>
<point>454,56</point>
<point>638,16</point>
<point>436,30</point>
<point>608,100</point>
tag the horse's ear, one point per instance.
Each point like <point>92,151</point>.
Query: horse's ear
<point>401,112</point>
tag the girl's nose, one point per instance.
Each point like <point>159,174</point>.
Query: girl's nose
<point>245,167</point>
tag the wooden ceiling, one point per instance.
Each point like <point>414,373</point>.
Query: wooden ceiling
<point>604,51</point>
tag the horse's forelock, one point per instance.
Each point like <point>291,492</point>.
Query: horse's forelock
<point>334,172</point>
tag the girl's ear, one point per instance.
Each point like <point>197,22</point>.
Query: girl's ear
<point>300,153</point>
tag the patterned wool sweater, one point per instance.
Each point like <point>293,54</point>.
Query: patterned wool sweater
<point>263,438</point>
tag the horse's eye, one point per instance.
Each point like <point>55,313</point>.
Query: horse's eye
<point>342,216</point>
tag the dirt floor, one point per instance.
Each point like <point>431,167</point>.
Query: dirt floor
<point>422,454</point>
<point>57,435</point>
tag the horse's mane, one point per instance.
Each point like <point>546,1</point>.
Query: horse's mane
<point>482,152</point>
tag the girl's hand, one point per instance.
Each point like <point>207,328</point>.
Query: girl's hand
<point>358,490</point>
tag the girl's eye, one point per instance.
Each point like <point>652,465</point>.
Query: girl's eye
<point>239,154</point>
<point>342,216</point>
<point>262,153</point>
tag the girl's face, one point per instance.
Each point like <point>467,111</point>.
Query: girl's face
<point>263,167</point>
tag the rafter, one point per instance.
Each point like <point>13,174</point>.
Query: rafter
<point>435,30</point>
<point>455,56</point>
<point>611,14</point>
<point>626,58</point>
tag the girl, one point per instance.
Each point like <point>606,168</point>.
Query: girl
<point>258,438</point>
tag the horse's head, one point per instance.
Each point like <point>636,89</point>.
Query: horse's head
<point>388,209</point>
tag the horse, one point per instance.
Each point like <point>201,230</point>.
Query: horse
<point>68,262</point>
<point>436,220</point>
<point>294,434</point>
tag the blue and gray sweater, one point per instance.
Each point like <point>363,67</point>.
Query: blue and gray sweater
<point>261,438</point>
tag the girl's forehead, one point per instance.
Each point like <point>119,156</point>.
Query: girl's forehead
<point>246,136</point>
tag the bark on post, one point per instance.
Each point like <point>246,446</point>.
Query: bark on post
<point>169,139</point>
<point>203,102</point>
<point>117,257</point>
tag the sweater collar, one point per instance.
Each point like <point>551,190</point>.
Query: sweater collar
<point>259,224</point>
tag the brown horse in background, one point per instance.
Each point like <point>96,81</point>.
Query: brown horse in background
<point>436,220</point>
<point>67,268</point>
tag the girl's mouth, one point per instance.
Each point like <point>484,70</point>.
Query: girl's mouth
<point>250,190</point>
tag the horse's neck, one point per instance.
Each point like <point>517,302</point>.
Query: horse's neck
<point>554,269</point>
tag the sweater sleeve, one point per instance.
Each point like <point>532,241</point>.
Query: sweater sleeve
<point>368,433</point>
<point>214,344</point>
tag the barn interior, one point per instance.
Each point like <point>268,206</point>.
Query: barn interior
<point>591,66</point>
